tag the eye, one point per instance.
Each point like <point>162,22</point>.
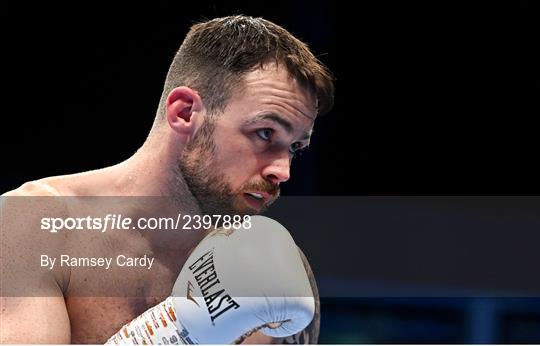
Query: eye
<point>265,134</point>
<point>297,149</point>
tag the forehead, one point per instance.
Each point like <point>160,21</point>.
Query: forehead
<point>271,89</point>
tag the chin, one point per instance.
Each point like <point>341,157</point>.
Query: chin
<point>240,207</point>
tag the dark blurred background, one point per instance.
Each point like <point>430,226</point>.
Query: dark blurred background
<point>433,98</point>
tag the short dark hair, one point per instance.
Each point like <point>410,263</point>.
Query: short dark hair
<point>216,54</point>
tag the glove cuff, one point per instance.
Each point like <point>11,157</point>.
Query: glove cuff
<point>157,325</point>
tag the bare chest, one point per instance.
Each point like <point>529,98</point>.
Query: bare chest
<point>100,299</point>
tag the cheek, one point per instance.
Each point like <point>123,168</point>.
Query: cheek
<point>235,158</point>
<point>239,167</point>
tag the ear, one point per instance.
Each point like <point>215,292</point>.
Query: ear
<point>183,110</point>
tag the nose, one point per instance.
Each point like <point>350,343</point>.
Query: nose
<point>278,171</point>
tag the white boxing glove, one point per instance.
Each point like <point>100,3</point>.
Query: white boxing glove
<point>234,283</point>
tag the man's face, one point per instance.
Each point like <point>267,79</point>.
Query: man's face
<point>237,160</point>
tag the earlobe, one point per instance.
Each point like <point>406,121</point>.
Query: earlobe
<point>182,107</point>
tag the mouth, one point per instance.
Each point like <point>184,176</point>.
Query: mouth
<point>256,199</point>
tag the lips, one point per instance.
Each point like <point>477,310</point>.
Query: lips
<point>256,195</point>
<point>257,199</point>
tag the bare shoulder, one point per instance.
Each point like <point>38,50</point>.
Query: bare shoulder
<point>310,335</point>
<point>21,208</point>
<point>21,212</point>
<point>43,187</point>
<point>26,287</point>
<point>77,184</point>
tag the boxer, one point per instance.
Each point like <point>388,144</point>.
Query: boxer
<point>239,102</point>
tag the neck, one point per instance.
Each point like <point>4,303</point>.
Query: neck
<point>153,171</point>
<point>152,175</point>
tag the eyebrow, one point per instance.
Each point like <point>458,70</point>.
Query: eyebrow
<point>284,123</point>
